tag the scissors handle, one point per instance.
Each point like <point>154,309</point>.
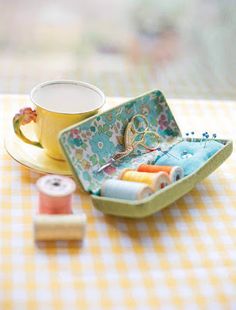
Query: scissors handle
<point>145,145</point>
<point>132,131</point>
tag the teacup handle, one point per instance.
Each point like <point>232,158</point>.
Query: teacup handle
<point>23,117</point>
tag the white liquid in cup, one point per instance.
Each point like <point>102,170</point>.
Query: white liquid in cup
<point>68,97</point>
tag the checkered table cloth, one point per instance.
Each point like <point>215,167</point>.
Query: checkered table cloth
<point>183,257</point>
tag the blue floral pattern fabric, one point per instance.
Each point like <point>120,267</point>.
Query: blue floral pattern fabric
<point>90,144</point>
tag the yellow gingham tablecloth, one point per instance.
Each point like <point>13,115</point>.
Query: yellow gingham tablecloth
<point>183,257</point>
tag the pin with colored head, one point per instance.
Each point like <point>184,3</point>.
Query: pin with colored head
<point>187,135</point>
<point>204,136</point>
<point>214,135</point>
<point>192,134</point>
<point>207,139</point>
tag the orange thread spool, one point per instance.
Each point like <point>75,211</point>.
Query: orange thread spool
<point>155,180</point>
<point>153,168</point>
<point>175,172</point>
<point>55,194</point>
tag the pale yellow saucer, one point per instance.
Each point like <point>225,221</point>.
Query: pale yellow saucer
<point>32,156</point>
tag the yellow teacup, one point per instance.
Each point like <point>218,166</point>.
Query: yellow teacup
<point>58,104</point>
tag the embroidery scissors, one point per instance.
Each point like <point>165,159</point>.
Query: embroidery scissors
<point>136,134</point>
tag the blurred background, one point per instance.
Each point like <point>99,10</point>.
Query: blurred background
<point>186,48</point>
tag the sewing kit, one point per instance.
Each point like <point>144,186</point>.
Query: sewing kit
<point>133,159</point>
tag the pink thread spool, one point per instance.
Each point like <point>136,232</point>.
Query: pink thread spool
<point>55,194</point>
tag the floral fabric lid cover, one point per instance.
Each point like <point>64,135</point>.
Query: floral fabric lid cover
<point>89,144</point>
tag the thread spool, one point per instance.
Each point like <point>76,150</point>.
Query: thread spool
<point>175,172</point>
<point>125,190</point>
<point>59,227</point>
<point>156,181</point>
<point>55,194</point>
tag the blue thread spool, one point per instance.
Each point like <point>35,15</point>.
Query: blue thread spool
<point>120,189</point>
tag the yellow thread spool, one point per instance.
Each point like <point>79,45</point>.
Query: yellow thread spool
<point>155,180</point>
<point>59,227</point>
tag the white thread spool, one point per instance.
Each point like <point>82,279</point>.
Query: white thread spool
<point>125,190</point>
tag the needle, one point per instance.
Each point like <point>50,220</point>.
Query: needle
<point>166,153</point>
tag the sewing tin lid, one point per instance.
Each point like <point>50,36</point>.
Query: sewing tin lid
<point>89,144</point>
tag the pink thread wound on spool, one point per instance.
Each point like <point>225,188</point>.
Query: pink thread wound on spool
<point>55,194</point>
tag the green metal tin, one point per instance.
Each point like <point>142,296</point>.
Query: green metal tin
<point>89,144</point>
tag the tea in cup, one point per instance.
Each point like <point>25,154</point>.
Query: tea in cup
<point>58,104</point>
